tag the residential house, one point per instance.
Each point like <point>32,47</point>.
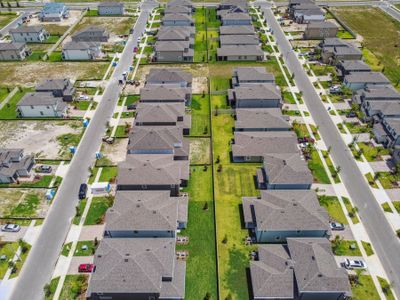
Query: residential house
<point>146,214</point>
<point>236,30</point>
<point>177,20</point>
<point>59,87</point>
<point>360,80</point>
<point>110,8</point>
<point>261,119</point>
<point>173,51</point>
<point>41,105</point>
<point>376,93</point>
<point>139,268</point>
<point>229,4</point>
<point>178,9</point>
<point>81,51</point>
<point>335,50</point>
<point>235,18</point>
<point>293,3</point>
<point>14,51</point>
<point>381,109</point>
<point>176,33</point>
<point>154,172</point>
<point>14,164</point>
<point>159,140</point>
<point>306,13</point>
<point>251,75</point>
<point>284,171</point>
<point>264,95</point>
<point>169,77</point>
<point>281,214</point>
<point>164,94</point>
<point>320,30</point>
<point>346,67</point>
<point>253,146</point>
<point>29,34</point>
<point>388,132</point>
<point>163,114</point>
<point>91,34</point>
<point>186,3</point>
<point>304,269</point>
<point>54,12</point>
<point>229,40</point>
<point>240,53</point>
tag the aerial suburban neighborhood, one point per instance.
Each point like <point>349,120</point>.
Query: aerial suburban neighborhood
<point>210,150</point>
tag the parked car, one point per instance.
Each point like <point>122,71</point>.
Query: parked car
<point>44,169</point>
<point>83,191</point>
<point>86,268</point>
<point>11,228</point>
<point>83,97</point>
<point>108,139</point>
<point>351,115</point>
<point>351,264</point>
<point>336,226</point>
<point>131,107</point>
<point>335,89</point>
<point>305,140</point>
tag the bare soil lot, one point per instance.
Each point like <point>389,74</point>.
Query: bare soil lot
<point>114,153</point>
<point>114,25</point>
<point>31,73</point>
<point>45,139</point>
<point>73,17</point>
<point>6,18</point>
<point>23,203</point>
<point>200,151</point>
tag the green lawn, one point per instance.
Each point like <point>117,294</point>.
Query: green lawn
<point>43,182</point>
<point>108,174</point>
<point>351,210</point>
<point>74,287</point>
<point>79,211</point>
<point>386,207</point>
<point>386,289</point>
<point>317,168</point>
<point>371,152</point>
<point>97,210</point>
<point>382,38</point>
<point>331,167</point>
<point>131,99</point>
<point>343,248</point>
<point>6,17</point>
<point>9,109</point>
<point>365,289</point>
<point>200,151</point>
<point>200,107</point>
<point>220,84</point>
<point>50,289</point>
<point>20,261</point>
<point>4,91</point>
<point>201,274</point>
<point>7,249</point>
<point>121,131</point>
<point>368,248</point>
<point>332,205</point>
<point>82,245</point>
<point>371,180</point>
<point>388,180</point>
<point>27,208</point>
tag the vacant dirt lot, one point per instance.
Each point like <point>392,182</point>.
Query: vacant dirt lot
<point>200,151</point>
<point>114,25</point>
<point>40,137</point>
<point>73,17</point>
<point>116,152</point>
<point>23,203</point>
<point>31,73</point>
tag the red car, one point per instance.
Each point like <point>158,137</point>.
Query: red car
<point>86,268</point>
<point>135,49</point>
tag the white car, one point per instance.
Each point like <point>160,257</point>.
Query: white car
<point>351,264</point>
<point>11,228</point>
<point>83,97</point>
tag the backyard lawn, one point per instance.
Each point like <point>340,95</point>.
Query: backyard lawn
<point>9,109</point>
<point>382,38</point>
<point>200,115</point>
<point>6,17</point>
<point>201,274</point>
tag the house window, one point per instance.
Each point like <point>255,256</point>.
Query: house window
<point>41,113</point>
<point>48,107</point>
<point>32,107</point>
<point>277,238</point>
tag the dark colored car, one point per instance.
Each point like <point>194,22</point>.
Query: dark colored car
<point>86,268</point>
<point>351,115</point>
<point>131,106</point>
<point>82,191</point>
<point>44,169</point>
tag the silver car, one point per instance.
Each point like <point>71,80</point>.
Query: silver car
<point>11,228</point>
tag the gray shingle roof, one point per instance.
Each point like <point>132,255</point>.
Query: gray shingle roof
<point>315,267</point>
<point>110,4</point>
<point>177,17</point>
<point>177,33</point>
<point>27,29</point>
<point>168,76</point>
<point>366,77</point>
<point>177,9</point>
<point>145,210</point>
<point>152,169</point>
<point>39,98</point>
<point>53,84</point>
<point>263,91</point>
<point>236,29</point>
<point>162,93</point>
<point>385,107</point>
<point>380,93</point>
<point>235,16</point>
<point>171,46</point>
<point>159,112</point>
<point>287,169</point>
<point>155,138</point>
<point>135,266</point>
<point>80,45</point>
<point>321,25</point>
<point>270,118</point>
<point>253,74</point>
<point>350,65</point>
<point>239,40</point>
<point>240,50</point>
<point>281,210</point>
<point>12,46</point>
<point>263,143</point>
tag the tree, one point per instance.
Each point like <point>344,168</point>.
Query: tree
<point>47,290</point>
<point>207,296</point>
<point>205,207</point>
<point>225,239</point>
<point>77,211</point>
<point>218,160</point>
<point>205,168</point>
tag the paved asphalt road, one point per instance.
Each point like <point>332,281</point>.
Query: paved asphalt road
<point>382,235</point>
<point>14,23</point>
<point>43,257</point>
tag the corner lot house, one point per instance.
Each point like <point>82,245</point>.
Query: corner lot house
<point>253,146</point>
<point>278,215</point>
<point>146,214</point>
<point>54,12</point>
<point>59,87</point>
<point>81,51</point>
<point>251,75</point>
<point>284,171</point>
<point>173,51</point>
<point>320,30</point>
<point>307,12</point>
<point>140,268</point>
<point>360,80</point>
<point>29,34</point>
<point>156,172</point>
<point>14,164</point>
<point>91,34</point>
<point>304,269</point>
<point>388,132</point>
<point>41,104</point>
<point>261,119</point>
<point>240,53</point>
<point>335,50</point>
<point>14,51</point>
<point>110,8</point>
<point>265,95</point>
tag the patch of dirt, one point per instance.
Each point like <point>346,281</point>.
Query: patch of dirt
<point>73,17</point>
<point>114,25</point>
<point>11,198</point>
<point>116,152</point>
<point>38,137</point>
<point>200,151</point>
